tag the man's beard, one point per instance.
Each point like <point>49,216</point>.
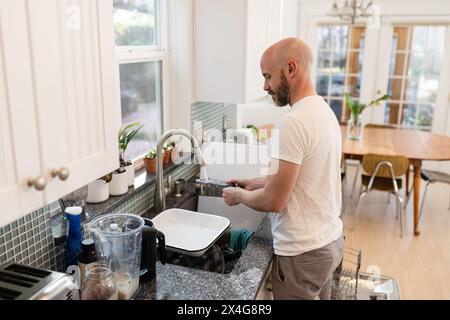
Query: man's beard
<point>281,94</point>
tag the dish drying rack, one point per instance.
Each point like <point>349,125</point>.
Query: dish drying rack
<point>346,276</point>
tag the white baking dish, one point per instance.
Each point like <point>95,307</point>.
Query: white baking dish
<point>189,232</point>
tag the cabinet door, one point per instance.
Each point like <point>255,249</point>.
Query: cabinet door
<point>263,30</point>
<point>19,148</point>
<point>219,50</point>
<point>76,90</point>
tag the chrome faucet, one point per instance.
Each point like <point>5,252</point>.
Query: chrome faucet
<point>160,197</point>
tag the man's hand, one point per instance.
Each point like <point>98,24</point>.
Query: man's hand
<point>274,191</point>
<point>231,196</point>
<point>249,184</point>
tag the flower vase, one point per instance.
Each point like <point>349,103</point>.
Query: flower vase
<point>354,129</point>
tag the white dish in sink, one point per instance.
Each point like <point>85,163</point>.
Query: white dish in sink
<point>189,232</point>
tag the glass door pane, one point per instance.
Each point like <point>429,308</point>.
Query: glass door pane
<point>339,65</point>
<point>414,75</point>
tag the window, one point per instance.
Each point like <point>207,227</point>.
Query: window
<point>339,65</point>
<point>140,55</point>
<point>414,75</point>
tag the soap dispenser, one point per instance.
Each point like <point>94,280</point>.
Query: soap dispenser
<point>73,242</point>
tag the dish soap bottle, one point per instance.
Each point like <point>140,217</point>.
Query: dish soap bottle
<point>73,242</point>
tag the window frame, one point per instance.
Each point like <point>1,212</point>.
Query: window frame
<point>152,53</point>
<point>344,115</point>
<point>405,77</point>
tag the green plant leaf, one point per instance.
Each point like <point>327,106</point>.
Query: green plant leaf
<point>126,134</point>
<point>133,133</point>
<point>151,154</point>
<point>125,129</point>
<point>349,103</point>
<point>385,97</point>
<point>255,130</point>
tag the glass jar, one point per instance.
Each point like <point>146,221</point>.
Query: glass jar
<point>86,256</point>
<point>99,283</point>
<point>354,129</point>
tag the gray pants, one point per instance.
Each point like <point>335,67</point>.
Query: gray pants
<point>306,276</point>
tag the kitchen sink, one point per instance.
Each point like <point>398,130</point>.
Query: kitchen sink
<point>219,258</point>
<point>190,232</point>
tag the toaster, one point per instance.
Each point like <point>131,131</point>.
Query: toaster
<point>21,282</point>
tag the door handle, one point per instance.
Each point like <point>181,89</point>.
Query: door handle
<point>63,173</point>
<point>39,183</point>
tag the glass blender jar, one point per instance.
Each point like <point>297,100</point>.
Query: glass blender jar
<point>118,241</point>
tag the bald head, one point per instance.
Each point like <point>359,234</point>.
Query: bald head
<point>286,68</point>
<point>290,49</point>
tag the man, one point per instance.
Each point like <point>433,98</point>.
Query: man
<point>303,187</point>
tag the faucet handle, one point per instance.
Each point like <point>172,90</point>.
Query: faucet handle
<point>169,180</point>
<point>168,185</point>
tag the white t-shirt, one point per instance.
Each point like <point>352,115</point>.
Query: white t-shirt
<point>309,135</point>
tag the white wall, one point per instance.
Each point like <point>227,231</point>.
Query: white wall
<point>289,18</point>
<point>259,113</point>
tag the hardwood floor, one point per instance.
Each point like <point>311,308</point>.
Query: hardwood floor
<point>420,264</point>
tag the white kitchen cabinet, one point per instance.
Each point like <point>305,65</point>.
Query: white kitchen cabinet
<point>230,37</point>
<point>265,291</point>
<point>59,99</point>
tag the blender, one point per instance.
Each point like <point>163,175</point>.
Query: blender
<point>127,243</point>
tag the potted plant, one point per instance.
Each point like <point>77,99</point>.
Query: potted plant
<point>354,125</point>
<point>167,147</point>
<point>119,182</point>
<point>98,190</point>
<point>150,161</point>
<point>127,134</point>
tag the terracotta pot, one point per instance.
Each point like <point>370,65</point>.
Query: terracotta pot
<point>167,153</point>
<point>150,165</point>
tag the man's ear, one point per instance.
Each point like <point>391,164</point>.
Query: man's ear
<point>292,68</point>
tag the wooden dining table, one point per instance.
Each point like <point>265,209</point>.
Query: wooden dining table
<point>415,145</point>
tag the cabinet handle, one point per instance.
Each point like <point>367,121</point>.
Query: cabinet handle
<point>63,173</point>
<point>38,183</point>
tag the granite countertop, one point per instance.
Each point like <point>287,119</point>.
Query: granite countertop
<point>175,282</point>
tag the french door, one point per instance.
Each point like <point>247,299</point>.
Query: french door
<point>408,61</point>
<point>413,68</point>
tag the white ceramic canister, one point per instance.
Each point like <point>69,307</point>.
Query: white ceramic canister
<point>98,191</point>
<point>130,174</point>
<point>119,184</point>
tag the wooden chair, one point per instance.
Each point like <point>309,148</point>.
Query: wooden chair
<point>369,125</point>
<point>384,173</point>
